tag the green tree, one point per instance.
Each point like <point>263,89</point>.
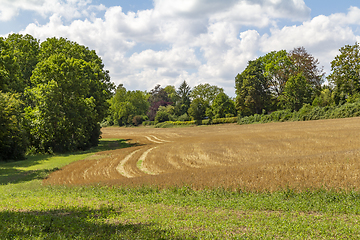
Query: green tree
<point>296,93</point>
<point>223,106</point>
<point>68,102</point>
<point>25,49</point>
<point>345,76</point>
<point>206,92</point>
<point>197,110</point>
<point>13,137</point>
<point>277,68</point>
<point>125,105</point>
<point>183,104</point>
<point>252,89</point>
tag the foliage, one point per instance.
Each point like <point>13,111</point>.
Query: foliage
<point>197,110</point>
<point>324,98</point>
<point>306,113</point>
<point>25,50</point>
<point>64,89</point>
<point>296,93</point>
<point>183,104</point>
<point>125,105</point>
<point>345,73</point>
<point>276,67</point>
<point>252,89</point>
<point>206,92</point>
<point>165,114</point>
<point>223,106</point>
<point>305,64</point>
<point>158,97</point>
<point>13,138</point>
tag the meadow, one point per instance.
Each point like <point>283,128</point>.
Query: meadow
<point>295,180</point>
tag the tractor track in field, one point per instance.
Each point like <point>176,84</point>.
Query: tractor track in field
<point>262,156</point>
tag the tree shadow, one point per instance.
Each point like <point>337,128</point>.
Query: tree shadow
<point>76,223</point>
<point>9,172</point>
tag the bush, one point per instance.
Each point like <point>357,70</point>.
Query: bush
<point>307,112</point>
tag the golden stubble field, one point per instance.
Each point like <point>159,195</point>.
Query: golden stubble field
<point>299,155</point>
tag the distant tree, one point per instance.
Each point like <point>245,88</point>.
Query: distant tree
<point>158,97</point>
<point>183,93</point>
<point>305,63</point>
<point>165,113</point>
<point>206,92</point>
<point>252,89</point>
<point>13,137</point>
<point>277,67</point>
<point>345,76</point>
<point>197,110</point>
<point>125,105</point>
<point>296,93</point>
<point>10,77</point>
<point>172,94</point>
<point>223,106</point>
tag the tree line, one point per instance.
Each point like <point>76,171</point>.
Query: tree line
<point>169,104</point>
<point>53,96</point>
<point>56,95</point>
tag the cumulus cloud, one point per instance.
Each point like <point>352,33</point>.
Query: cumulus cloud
<point>201,40</point>
<point>70,9</point>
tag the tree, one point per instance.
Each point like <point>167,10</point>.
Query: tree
<point>345,76</point>
<point>125,105</point>
<point>69,100</point>
<point>158,97</point>
<point>183,104</point>
<point>25,49</point>
<point>296,93</point>
<point>305,63</point>
<point>197,110</point>
<point>223,106</point>
<point>277,67</point>
<point>13,137</point>
<point>252,89</point>
<point>206,92</point>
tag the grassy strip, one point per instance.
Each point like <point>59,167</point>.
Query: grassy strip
<point>32,211</point>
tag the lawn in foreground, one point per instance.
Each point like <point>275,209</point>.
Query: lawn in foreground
<point>29,210</point>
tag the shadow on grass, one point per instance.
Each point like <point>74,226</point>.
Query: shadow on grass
<point>76,223</point>
<point>10,172</point>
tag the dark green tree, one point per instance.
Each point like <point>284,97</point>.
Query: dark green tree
<point>183,104</point>
<point>25,49</point>
<point>13,137</point>
<point>296,93</point>
<point>69,100</point>
<point>223,106</point>
<point>197,110</point>
<point>252,89</point>
<point>345,76</point>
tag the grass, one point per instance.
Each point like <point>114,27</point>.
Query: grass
<point>29,210</point>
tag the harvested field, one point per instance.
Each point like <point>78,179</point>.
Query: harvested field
<point>300,155</point>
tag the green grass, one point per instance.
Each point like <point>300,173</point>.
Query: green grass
<point>29,210</point>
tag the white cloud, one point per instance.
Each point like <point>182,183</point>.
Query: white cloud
<point>69,9</point>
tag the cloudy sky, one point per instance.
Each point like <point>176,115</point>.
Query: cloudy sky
<point>149,42</point>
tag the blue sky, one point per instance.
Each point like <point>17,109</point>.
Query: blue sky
<point>144,43</point>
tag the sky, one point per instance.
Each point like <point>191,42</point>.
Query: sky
<point>144,43</point>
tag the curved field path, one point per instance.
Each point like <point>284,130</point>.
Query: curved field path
<point>259,157</point>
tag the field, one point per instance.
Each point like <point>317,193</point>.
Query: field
<point>261,157</point>
<point>263,181</point>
